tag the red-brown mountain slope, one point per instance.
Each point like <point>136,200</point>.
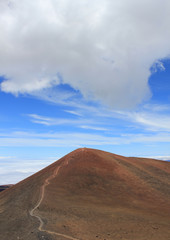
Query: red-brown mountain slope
<point>90,194</point>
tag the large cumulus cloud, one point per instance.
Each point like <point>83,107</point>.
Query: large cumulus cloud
<point>103,48</point>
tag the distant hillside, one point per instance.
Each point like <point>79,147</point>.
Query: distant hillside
<point>90,194</point>
<point>3,187</point>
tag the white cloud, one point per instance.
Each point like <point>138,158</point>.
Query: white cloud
<point>94,128</point>
<point>73,112</point>
<point>48,121</point>
<point>164,158</point>
<point>13,177</point>
<point>14,170</point>
<point>78,122</point>
<point>158,65</point>
<point>22,139</point>
<point>103,48</point>
<point>5,157</point>
<point>156,107</point>
<point>55,96</point>
<point>151,121</point>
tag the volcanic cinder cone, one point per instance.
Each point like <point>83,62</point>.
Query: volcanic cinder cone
<point>87,195</point>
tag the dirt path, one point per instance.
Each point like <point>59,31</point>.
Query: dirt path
<point>42,194</point>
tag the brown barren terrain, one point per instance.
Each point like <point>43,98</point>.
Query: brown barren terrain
<point>87,195</point>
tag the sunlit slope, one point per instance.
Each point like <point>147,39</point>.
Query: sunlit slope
<point>91,195</point>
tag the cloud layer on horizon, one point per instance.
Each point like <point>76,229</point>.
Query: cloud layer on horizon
<point>104,49</point>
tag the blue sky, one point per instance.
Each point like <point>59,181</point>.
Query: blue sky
<point>80,82</point>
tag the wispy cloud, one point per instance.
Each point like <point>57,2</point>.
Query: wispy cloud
<point>87,119</point>
<point>156,107</point>
<point>6,157</point>
<point>151,121</point>
<point>94,128</point>
<point>78,139</point>
<point>73,112</point>
<point>48,121</point>
<point>154,120</point>
<point>43,120</point>
<point>150,117</point>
